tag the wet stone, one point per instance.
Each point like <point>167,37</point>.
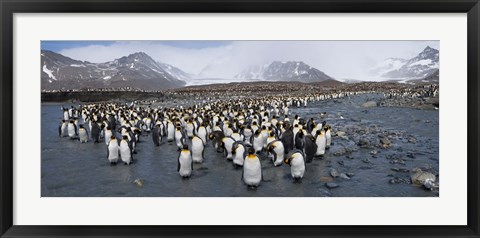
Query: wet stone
<point>344,176</point>
<point>326,179</point>
<point>334,173</point>
<point>331,185</point>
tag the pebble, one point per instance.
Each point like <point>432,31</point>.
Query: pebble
<point>138,182</point>
<point>340,133</point>
<point>331,185</point>
<point>350,174</point>
<point>344,176</point>
<point>419,177</point>
<point>334,173</point>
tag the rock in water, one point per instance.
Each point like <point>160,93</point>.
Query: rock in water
<point>331,185</point>
<point>341,133</point>
<point>344,176</point>
<point>138,182</point>
<point>334,173</point>
<point>419,177</point>
<point>369,104</point>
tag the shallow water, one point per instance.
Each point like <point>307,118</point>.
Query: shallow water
<point>69,168</point>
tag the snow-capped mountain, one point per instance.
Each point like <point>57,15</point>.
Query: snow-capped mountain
<point>137,70</point>
<point>175,72</point>
<point>420,66</point>
<point>389,64</point>
<point>284,71</point>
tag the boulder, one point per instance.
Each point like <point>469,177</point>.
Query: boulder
<point>369,104</point>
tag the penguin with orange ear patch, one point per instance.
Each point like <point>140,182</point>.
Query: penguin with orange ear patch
<point>296,160</point>
<point>252,170</point>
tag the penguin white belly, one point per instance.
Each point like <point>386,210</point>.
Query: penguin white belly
<point>280,152</point>
<point>178,137</point>
<point>71,130</point>
<point>108,135</point>
<point>83,136</point>
<point>328,137</point>
<point>170,132</point>
<point>185,161</point>
<point>258,143</point>
<point>197,150</point>
<point>297,167</point>
<point>321,143</point>
<point>64,131</point>
<point>238,158</point>
<point>202,133</point>
<point>252,172</point>
<point>113,152</point>
<point>65,116</point>
<point>125,152</point>
<point>190,130</point>
<point>228,147</point>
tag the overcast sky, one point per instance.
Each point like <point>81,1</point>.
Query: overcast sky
<point>224,59</point>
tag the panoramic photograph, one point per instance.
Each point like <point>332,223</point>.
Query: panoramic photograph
<point>197,118</point>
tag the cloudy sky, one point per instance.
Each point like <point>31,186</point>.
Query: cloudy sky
<point>224,59</point>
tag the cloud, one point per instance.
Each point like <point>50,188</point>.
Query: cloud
<point>340,59</point>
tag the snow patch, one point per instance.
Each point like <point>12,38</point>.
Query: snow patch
<point>107,77</point>
<point>422,62</point>
<point>49,72</point>
<point>77,65</point>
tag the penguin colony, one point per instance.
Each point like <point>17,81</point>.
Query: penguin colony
<point>248,132</point>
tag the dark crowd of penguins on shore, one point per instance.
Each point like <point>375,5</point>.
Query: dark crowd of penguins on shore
<point>244,130</point>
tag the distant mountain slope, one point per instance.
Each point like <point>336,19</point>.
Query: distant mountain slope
<point>420,66</point>
<point>284,71</point>
<point>136,70</point>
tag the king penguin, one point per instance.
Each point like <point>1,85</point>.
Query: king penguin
<point>125,150</point>
<point>310,148</point>
<point>72,129</point>
<point>197,149</point>
<point>252,169</point>
<point>82,134</point>
<point>296,160</point>
<point>112,151</point>
<point>185,162</point>
<point>278,151</point>
<point>321,143</point>
<point>239,153</point>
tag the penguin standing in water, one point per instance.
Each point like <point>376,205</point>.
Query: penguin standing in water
<point>95,133</point>
<point>197,149</point>
<point>310,148</point>
<point>328,136</point>
<point>108,134</point>
<point>287,139</point>
<point>227,144</point>
<point>62,129</point>
<point>202,134</point>
<point>252,169</point>
<point>239,152</point>
<point>296,160</point>
<point>257,141</point>
<point>180,139</point>
<point>156,135</point>
<point>278,151</point>
<point>72,130</point>
<point>185,162</point>
<point>299,140</point>
<point>112,151</point>
<point>216,138</point>
<point>321,142</point>
<point>170,131</point>
<point>83,134</point>
<point>125,150</point>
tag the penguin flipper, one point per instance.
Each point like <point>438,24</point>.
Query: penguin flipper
<point>178,163</point>
<point>60,131</point>
<point>108,152</point>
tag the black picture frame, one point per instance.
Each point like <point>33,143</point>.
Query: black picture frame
<point>9,7</point>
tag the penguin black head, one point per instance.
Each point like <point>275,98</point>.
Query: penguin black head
<point>81,126</point>
<point>325,128</point>
<point>185,147</point>
<point>264,127</point>
<point>113,137</point>
<point>296,116</point>
<point>318,132</point>
<point>272,134</point>
<point>71,121</point>
<point>251,151</point>
<point>125,137</point>
<point>63,121</point>
<point>324,123</point>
